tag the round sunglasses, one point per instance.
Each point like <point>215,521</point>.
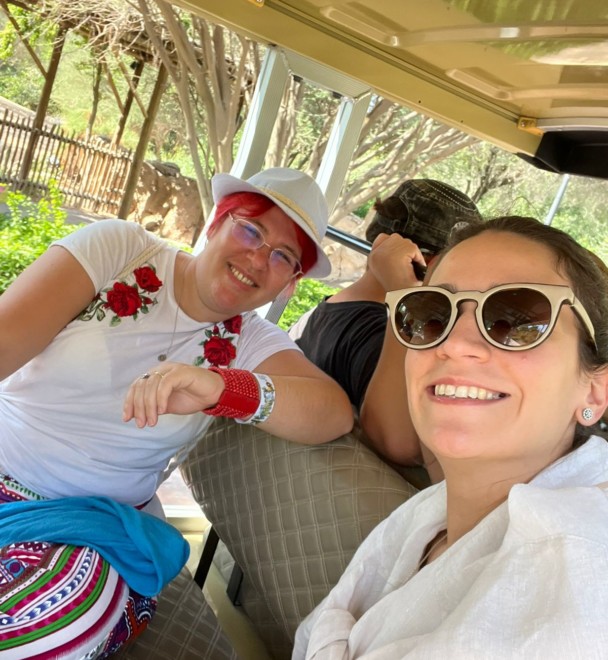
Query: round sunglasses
<point>513,317</point>
<point>250,236</point>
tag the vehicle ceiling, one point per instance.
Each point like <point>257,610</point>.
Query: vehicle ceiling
<point>530,76</point>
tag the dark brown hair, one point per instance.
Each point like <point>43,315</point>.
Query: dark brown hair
<point>586,273</point>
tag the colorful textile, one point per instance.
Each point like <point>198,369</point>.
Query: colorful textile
<point>60,601</point>
<point>147,552</point>
<point>56,600</point>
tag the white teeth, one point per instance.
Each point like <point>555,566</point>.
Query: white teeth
<point>465,392</point>
<point>240,277</point>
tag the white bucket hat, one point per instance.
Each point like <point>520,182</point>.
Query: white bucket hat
<point>295,193</point>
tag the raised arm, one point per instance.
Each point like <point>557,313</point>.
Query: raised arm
<point>309,407</point>
<point>43,299</point>
<point>384,412</point>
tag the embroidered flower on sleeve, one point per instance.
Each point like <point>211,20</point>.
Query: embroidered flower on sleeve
<point>125,298</point>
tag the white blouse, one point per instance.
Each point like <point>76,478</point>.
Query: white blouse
<point>530,581</point>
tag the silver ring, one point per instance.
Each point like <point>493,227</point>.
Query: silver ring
<point>145,376</point>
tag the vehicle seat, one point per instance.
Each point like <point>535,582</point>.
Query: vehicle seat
<point>184,628</point>
<point>290,515</point>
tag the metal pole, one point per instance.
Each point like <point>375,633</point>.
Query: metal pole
<point>558,198</point>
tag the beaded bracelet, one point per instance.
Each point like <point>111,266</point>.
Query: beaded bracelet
<point>266,400</point>
<point>241,395</point>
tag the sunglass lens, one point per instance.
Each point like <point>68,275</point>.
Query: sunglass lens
<point>516,317</point>
<point>421,318</point>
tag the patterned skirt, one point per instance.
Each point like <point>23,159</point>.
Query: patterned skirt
<point>61,601</point>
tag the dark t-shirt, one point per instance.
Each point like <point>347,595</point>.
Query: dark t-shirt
<point>345,340</point>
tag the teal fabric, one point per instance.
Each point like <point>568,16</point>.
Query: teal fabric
<point>146,551</point>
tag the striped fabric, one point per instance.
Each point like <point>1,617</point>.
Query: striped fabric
<point>62,601</point>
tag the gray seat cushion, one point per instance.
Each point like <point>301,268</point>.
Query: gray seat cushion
<point>184,628</point>
<point>291,515</point>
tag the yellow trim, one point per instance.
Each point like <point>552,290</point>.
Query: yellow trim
<point>294,207</point>
<point>529,125</point>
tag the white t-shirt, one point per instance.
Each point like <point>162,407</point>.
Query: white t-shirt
<point>61,428</point>
<point>529,581</point>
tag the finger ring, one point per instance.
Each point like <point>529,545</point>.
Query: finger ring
<point>144,376</point>
<point>158,373</point>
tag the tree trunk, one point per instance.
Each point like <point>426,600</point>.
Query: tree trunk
<point>93,114</point>
<point>126,109</point>
<point>142,145</point>
<point>43,104</point>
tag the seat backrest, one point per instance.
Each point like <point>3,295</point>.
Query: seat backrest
<point>291,515</point>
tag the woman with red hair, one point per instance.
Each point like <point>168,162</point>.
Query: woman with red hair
<point>117,350</point>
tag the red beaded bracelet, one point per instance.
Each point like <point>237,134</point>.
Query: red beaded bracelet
<point>241,395</point>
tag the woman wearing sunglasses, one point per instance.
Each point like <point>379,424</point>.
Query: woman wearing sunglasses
<point>117,350</point>
<point>507,376</point>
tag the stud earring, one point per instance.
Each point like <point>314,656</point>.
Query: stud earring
<point>587,414</point>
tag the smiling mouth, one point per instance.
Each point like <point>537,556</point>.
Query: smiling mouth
<point>241,277</point>
<point>466,392</point>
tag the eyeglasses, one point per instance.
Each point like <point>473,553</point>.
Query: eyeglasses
<point>514,317</point>
<point>248,235</point>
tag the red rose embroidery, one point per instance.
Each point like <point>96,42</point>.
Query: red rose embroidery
<point>233,325</point>
<point>219,352</point>
<point>123,299</point>
<point>146,279</point>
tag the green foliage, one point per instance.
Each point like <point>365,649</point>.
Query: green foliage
<point>20,79</point>
<point>308,294</point>
<point>8,37</point>
<point>29,25</point>
<point>518,188</point>
<point>582,214</point>
<point>27,229</point>
<point>363,210</point>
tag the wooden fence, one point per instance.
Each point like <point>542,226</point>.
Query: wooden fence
<point>90,173</point>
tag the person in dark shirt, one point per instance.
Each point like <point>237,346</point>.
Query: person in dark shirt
<point>346,335</point>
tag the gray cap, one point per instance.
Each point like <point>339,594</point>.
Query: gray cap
<point>425,211</point>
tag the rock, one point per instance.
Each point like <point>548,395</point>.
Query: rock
<point>165,168</point>
<point>168,202</point>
